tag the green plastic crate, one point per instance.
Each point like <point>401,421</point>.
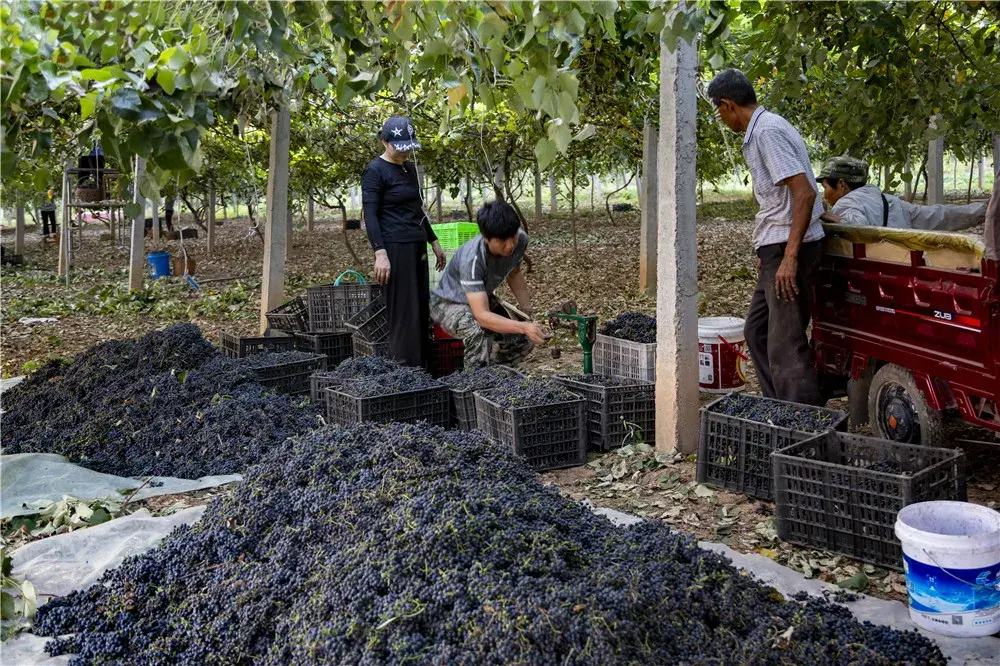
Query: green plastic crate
<point>453,235</point>
<point>435,277</point>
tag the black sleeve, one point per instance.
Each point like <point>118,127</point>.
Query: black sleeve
<point>431,236</point>
<point>371,192</point>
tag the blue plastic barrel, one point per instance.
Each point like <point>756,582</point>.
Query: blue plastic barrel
<point>159,265</point>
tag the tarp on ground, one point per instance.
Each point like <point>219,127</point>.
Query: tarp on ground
<point>30,481</point>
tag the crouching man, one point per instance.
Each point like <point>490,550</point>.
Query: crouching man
<point>461,303</point>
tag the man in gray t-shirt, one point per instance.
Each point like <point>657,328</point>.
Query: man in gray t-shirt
<point>461,303</point>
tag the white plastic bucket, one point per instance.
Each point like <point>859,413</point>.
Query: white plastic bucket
<point>951,556</point>
<point>721,353</point>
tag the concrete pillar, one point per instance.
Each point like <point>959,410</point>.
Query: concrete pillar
<point>64,226</point>
<point>210,243</point>
<point>276,227</point>
<point>954,172</point>
<point>19,230</point>
<point>907,184</point>
<point>935,171</point>
<point>638,182</point>
<point>981,166</point>
<point>154,206</point>
<point>648,206</point>
<point>553,194</point>
<point>137,255</point>
<point>310,214</point>
<point>677,399</point>
<point>538,193</point>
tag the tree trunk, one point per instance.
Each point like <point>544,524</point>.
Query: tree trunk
<point>19,230</point>
<point>311,215</point>
<point>468,198</point>
<point>538,193</point>
<point>210,243</point>
<point>572,206</point>
<point>968,194</point>
<point>553,193</point>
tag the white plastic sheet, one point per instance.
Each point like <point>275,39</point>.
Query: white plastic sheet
<point>74,561</point>
<point>29,481</point>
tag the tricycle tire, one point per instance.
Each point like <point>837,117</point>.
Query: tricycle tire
<point>899,411</point>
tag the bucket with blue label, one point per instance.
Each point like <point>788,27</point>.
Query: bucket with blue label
<point>951,557</point>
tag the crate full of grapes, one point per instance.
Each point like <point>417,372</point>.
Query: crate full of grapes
<point>626,347</point>
<point>406,395</point>
<point>740,432</point>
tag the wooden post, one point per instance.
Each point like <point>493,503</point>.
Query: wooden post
<point>210,243</point>
<point>553,193</point>
<point>19,230</point>
<point>155,215</point>
<point>677,285</point>
<point>310,215</point>
<point>137,255</point>
<point>538,193</point>
<point>935,171</point>
<point>276,227</point>
<point>648,206</point>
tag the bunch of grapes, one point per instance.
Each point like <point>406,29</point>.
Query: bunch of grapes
<point>633,326</point>
<point>400,544</point>
<point>528,392</point>
<point>773,412</point>
<point>478,378</point>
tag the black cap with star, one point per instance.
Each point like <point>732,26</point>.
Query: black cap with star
<point>400,133</point>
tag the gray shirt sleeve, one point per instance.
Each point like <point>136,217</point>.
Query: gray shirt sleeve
<point>472,274</point>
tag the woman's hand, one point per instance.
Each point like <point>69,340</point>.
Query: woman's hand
<point>439,253</point>
<point>382,267</point>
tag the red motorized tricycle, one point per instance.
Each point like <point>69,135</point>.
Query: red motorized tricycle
<point>912,320</point>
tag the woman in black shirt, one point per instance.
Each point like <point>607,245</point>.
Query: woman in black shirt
<point>399,232</point>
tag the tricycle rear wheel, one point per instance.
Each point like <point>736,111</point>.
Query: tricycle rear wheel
<point>899,411</point>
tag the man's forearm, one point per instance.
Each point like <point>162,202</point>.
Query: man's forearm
<point>519,287</point>
<point>498,324</point>
<point>802,206</point>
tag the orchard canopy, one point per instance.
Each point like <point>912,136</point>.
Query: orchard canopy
<point>497,87</point>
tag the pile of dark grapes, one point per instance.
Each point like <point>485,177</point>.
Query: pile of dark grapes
<point>167,404</point>
<point>887,467</point>
<point>633,326</point>
<point>528,392</point>
<point>363,366</point>
<point>773,412</point>
<point>478,378</point>
<point>391,544</point>
<point>397,381</point>
<point>277,358</point>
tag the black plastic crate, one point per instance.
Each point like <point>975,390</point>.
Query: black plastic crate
<point>463,403</point>
<point>735,453</point>
<point>546,436</point>
<point>427,404</point>
<point>371,322</point>
<point>617,415</point>
<point>332,306</point>
<point>841,492</point>
<point>290,317</point>
<point>241,346</point>
<point>290,377</point>
<point>335,346</point>
<point>318,381</point>
<point>363,347</point>
<point>447,356</point>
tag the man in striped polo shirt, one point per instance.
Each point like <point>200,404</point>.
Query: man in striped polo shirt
<point>787,237</point>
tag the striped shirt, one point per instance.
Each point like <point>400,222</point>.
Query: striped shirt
<point>774,151</point>
<point>474,270</point>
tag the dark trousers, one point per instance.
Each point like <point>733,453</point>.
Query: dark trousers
<point>49,217</point>
<point>776,330</point>
<point>407,299</point>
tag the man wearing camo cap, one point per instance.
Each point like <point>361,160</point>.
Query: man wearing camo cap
<point>854,201</point>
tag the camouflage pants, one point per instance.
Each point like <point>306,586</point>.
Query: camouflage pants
<point>482,347</point>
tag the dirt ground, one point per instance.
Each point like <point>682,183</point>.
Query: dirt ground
<point>593,262</point>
